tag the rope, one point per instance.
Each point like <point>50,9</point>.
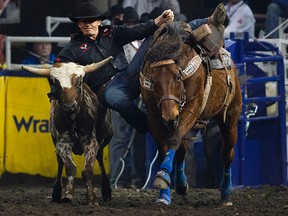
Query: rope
<point>150,170</point>
<point>124,156</point>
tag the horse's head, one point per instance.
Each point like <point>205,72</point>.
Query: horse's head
<point>167,62</point>
<point>68,80</point>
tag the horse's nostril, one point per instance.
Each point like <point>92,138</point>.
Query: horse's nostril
<point>176,121</point>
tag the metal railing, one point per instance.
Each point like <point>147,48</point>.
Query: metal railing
<point>9,40</point>
<point>53,22</point>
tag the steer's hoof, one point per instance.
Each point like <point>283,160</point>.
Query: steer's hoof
<point>92,203</point>
<point>91,197</point>
<point>67,198</point>
<point>56,195</point>
<point>162,180</point>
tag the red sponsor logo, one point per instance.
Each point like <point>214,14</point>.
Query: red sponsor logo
<point>84,47</point>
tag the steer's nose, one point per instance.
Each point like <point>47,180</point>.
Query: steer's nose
<point>70,107</point>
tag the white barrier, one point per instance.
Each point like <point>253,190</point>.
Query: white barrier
<point>9,40</point>
<point>53,22</point>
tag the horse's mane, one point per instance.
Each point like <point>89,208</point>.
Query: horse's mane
<point>168,40</point>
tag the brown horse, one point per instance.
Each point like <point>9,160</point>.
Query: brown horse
<point>181,90</point>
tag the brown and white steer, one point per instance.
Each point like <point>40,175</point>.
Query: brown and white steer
<point>79,124</point>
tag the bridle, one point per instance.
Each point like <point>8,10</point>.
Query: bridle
<point>189,70</point>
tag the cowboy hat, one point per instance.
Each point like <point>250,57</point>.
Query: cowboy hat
<point>130,15</point>
<point>87,10</point>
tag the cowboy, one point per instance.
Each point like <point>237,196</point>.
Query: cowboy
<point>117,84</point>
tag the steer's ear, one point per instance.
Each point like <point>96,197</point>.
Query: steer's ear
<point>38,71</point>
<point>95,66</point>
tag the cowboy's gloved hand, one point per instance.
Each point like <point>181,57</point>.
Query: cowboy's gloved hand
<point>165,17</point>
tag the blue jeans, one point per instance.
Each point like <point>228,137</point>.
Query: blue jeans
<point>197,22</point>
<point>120,93</point>
<point>274,12</point>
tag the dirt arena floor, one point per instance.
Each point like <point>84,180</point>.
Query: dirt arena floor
<point>22,195</point>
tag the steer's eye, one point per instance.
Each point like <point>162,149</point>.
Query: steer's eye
<point>79,81</point>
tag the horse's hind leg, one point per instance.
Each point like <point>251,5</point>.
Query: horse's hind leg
<point>105,182</point>
<point>57,188</point>
<point>229,138</point>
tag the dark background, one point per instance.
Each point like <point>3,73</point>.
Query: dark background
<point>34,12</point>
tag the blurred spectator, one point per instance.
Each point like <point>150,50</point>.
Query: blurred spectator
<point>241,19</point>
<point>142,6</point>
<point>275,10</point>
<point>134,173</point>
<point>144,17</point>
<point>41,52</point>
<point>116,14</point>
<point>157,11</point>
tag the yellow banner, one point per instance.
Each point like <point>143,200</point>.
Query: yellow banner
<point>29,147</point>
<point>2,123</point>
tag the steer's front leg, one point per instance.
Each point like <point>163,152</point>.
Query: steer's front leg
<point>64,150</point>
<point>90,151</point>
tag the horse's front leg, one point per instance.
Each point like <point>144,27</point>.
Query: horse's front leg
<point>229,137</point>
<point>64,150</point>
<point>162,179</point>
<point>90,150</point>
<point>181,183</point>
<point>174,142</point>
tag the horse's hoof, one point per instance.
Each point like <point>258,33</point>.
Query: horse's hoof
<point>226,201</point>
<point>162,180</point>
<point>182,190</point>
<point>67,198</point>
<point>163,201</point>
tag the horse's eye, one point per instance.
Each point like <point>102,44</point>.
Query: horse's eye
<point>178,78</point>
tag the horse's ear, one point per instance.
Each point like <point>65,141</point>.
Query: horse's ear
<point>189,39</point>
<point>162,30</point>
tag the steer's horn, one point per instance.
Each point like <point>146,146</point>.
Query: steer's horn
<point>39,71</point>
<point>94,66</point>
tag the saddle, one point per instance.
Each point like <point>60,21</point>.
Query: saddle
<point>209,38</point>
<point>211,43</point>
